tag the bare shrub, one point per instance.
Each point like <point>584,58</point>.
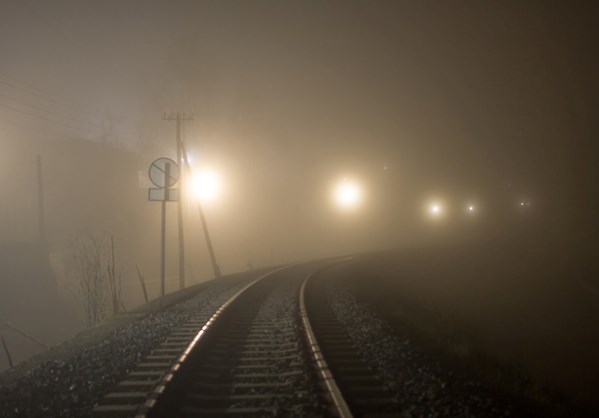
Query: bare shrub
<point>99,279</point>
<point>89,253</point>
<point>114,281</point>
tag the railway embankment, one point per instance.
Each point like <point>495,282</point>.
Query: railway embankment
<point>68,379</point>
<point>514,315</point>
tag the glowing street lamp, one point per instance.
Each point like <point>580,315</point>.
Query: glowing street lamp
<point>347,194</point>
<point>206,185</point>
<point>435,209</point>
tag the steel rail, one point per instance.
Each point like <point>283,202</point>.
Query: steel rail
<point>159,389</point>
<point>341,408</point>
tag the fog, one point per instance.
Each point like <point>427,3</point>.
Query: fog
<point>491,104</point>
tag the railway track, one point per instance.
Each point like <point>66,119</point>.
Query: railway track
<point>274,349</point>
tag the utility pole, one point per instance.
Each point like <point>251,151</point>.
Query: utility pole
<point>40,201</point>
<point>167,175</point>
<point>179,118</point>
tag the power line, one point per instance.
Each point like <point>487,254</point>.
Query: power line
<point>42,109</point>
<point>42,117</point>
<point>87,126</point>
<point>50,96</point>
<point>27,126</point>
<point>40,92</point>
<point>76,105</point>
<point>60,100</point>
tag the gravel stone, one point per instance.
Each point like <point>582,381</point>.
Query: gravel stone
<point>71,387</point>
<point>419,381</point>
<point>426,388</point>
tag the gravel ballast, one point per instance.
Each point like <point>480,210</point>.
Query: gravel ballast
<point>421,383</point>
<point>71,386</point>
<point>426,387</point>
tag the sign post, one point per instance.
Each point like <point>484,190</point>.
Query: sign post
<point>164,173</point>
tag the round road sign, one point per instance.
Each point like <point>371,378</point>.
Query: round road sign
<point>158,170</point>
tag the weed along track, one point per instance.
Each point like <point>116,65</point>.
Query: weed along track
<point>258,355</point>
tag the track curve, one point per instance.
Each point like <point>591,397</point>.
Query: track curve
<point>275,349</point>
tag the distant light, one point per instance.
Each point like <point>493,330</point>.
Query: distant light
<point>521,203</point>
<point>471,209</point>
<point>435,209</point>
<point>206,185</point>
<point>347,194</point>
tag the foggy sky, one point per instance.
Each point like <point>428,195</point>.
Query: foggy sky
<point>486,100</point>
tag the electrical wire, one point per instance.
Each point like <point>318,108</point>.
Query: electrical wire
<point>28,126</point>
<point>89,126</point>
<point>42,109</point>
<point>48,95</point>
<point>52,24</point>
<point>44,118</point>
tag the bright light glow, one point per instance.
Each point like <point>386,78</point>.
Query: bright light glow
<point>347,194</point>
<point>206,185</point>
<point>190,159</point>
<point>435,209</point>
<point>471,208</point>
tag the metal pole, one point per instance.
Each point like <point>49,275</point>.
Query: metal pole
<point>40,201</point>
<point>163,228</point>
<point>180,210</point>
<point>179,118</point>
